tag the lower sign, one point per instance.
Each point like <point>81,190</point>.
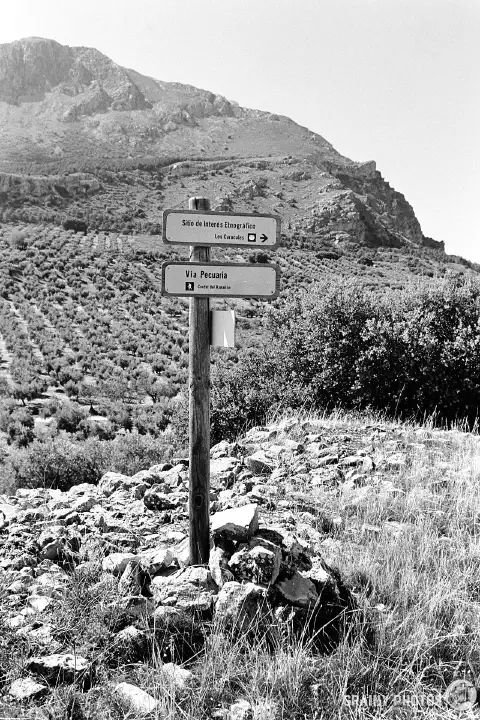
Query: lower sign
<point>184,279</point>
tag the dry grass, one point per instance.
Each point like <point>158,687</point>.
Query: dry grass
<point>410,549</point>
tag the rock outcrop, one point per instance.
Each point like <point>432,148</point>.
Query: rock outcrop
<point>91,114</point>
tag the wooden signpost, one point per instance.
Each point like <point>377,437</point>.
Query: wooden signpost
<point>200,279</point>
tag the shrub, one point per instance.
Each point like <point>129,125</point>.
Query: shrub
<point>76,226</point>
<point>18,239</point>
<point>61,463</point>
<point>328,255</point>
<point>242,395</point>
<point>71,417</point>
<point>18,424</point>
<point>407,353</point>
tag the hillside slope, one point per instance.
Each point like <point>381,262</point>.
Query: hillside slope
<point>81,135</point>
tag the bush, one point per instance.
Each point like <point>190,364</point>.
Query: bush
<point>18,424</point>
<point>242,395</point>
<point>18,239</point>
<point>71,417</point>
<point>408,353</point>
<point>61,463</point>
<point>76,225</point>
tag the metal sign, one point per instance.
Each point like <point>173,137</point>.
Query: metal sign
<point>192,279</point>
<point>189,227</point>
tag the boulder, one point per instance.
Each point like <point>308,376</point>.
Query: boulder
<point>176,677</point>
<point>155,560</point>
<point>57,543</point>
<point>240,710</point>
<point>259,464</point>
<point>26,689</point>
<point>241,605</point>
<point>218,565</point>
<point>134,700</point>
<point>238,524</point>
<point>297,590</point>
<point>258,564</point>
<point>117,562</point>
<point>111,481</point>
<point>59,667</point>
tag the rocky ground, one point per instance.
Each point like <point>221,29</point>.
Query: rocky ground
<point>102,615</point>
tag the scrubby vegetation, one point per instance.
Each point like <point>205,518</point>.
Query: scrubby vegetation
<point>412,353</point>
<point>89,349</point>
<point>404,537</point>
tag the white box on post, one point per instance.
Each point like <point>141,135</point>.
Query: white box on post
<point>222,328</point>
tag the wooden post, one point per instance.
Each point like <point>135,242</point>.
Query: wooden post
<point>199,411</point>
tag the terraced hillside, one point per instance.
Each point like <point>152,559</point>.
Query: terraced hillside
<point>82,316</point>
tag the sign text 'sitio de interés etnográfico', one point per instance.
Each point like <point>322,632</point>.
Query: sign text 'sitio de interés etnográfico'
<point>225,224</point>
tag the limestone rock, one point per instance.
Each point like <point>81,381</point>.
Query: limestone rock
<point>218,565</point>
<point>180,678</point>
<point>156,499</point>
<point>297,590</point>
<point>59,667</point>
<point>117,562</point>
<point>26,689</point>
<point>258,564</point>
<point>129,645</point>
<point>191,589</point>
<point>155,560</point>
<point>259,464</point>
<point>236,524</point>
<point>351,461</point>
<point>83,504</point>
<point>56,543</point>
<point>296,551</point>
<point>134,700</point>
<point>241,605</point>
<point>39,603</point>
<point>241,710</point>
<point>7,513</point>
<point>111,481</point>
<point>222,466</point>
<point>181,553</point>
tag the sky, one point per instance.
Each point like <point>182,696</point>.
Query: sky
<point>395,81</point>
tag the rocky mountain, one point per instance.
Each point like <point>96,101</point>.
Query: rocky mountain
<point>85,137</point>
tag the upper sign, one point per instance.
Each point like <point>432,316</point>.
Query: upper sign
<point>189,227</point>
<point>192,279</point>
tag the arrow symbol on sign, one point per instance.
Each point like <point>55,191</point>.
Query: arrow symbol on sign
<point>263,237</point>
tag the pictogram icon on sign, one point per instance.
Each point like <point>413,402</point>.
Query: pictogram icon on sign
<point>252,237</point>
<point>189,287</point>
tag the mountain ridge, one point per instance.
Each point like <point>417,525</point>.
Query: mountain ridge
<point>68,110</point>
